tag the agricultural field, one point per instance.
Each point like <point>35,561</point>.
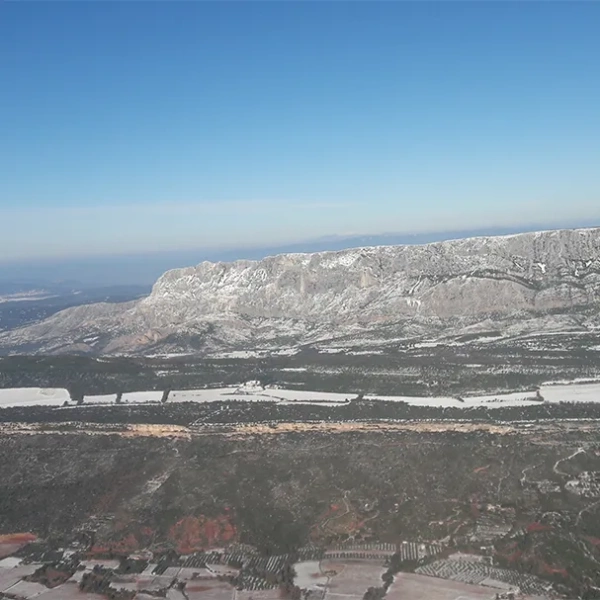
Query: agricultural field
<point>420,587</point>
<point>133,578</point>
<point>19,397</point>
<point>479,573</point>
<point>254,391</point>
<point>351,577</point>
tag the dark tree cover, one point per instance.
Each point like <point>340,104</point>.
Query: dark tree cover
<point>374,593</point>
<point>98,581</point>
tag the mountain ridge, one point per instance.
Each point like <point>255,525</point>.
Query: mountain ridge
<point>293,298</point>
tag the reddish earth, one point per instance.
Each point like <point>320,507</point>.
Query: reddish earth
<point>17,538</point>
<point>147,531</point>
<point>191,534</point>
<point>8,549</point>
<point>136,539</point>
<point>549,570</point>
<point>98,550</point>
<point>11,542</point>
<point>125,546</point>
<point>515,556</point>
<point>534,527</point>
<point>592,540</point>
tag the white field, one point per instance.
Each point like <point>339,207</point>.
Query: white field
<point>12,576</point>
<point>588,392</point>
<point>9,562</point>
<point>142,397</point>
<point>105,399</point>
<point>256,353</point>
<point>26,589</point>
<point>258,394</point>
<point>421,587</point>
<point>251,392</point>
<point>584,392</point>
<point>12,397</point>
<point>309,575</point>
<point>491,401</point>
<point>352,578</point>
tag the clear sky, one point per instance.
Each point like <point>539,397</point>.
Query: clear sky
<point>127,126</point>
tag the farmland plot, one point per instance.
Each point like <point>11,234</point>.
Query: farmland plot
<point>69,591</point>
<point>472,572</point>
<point>309,575</point>
<point>351,577</point>
<point>274,594</point>
<point>26,589</point>
<point>100,399</point>
<point>12,397</point>
<point>209,590</point>
<point>11,576</point>
<point>421,587</point>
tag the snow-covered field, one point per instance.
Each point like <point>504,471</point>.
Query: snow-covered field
<point>309,575</point>
<point>253,392</point>
<point>105,399</point>
<point>491,401</point>
<point>257,394</point>
<point>33,397</point>
<point>127,398</point>
<point>549,393</point>
<point>256,353</point>
<point>584,392</point>
<point>142,397</point>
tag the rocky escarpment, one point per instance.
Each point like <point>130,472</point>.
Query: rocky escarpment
<point>301,297</point>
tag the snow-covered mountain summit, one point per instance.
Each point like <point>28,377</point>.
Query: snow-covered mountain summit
<point>297,298</point>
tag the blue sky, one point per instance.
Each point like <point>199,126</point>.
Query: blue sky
<point>137,126</point>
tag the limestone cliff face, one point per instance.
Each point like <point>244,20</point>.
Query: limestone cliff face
<point>298,294</point>
<point>535,271</point>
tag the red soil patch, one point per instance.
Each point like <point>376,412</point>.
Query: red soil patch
<point>11,542</point>
<point>554,570</point>
<point>17,538</point>
<point>147,531</point>
<point>8,549</point>
<point>125,546</point>
<point>592,540</point>
<point>191,534</point>
<point>515,556</point>
<point>535,527</point>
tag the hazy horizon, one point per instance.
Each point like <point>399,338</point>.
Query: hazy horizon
<point>144,268</point>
